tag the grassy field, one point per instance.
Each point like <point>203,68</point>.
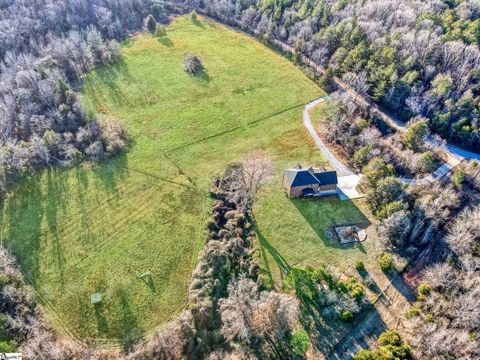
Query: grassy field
<point>97,228</point>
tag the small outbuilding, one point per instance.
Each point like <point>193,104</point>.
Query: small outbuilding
<point>308,181</point>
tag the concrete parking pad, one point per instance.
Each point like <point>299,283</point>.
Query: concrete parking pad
<point>346,188</point>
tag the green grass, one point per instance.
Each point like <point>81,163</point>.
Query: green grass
<point>98,227</point>
<point>291,233</point>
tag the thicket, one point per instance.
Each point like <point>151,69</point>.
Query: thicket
<point>446,320</point>
<point>45,47</point>
<point>416,58</point>
<point>230,313</point>
<point>388,346</point>
<point>335,299</point>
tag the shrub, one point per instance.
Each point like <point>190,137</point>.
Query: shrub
<point>386,262</point>
<point>390,209</point>
<point>391,347</point>
<point>5,280</point>
<point>390,338</point>
<point>10,346</point>
<point>360,266</point>
<point>160,31</point>
<point>429,318</point>
<point>413,312</point>
<point>362,156</point>
<point>426,162</point>
<point>326,82</point>
<point>300,342</point>
<point>458,179</point>
<point>416,133</point>
<point>151,24</point>
<point>365,355</point>
<point>194,16</point>
<point>346,316</point>
<point>192,64</point>
<point>424,289</point>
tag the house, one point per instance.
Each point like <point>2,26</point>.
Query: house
<point>309,181</point>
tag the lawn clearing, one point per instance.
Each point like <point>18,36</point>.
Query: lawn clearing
<point>99,228</point>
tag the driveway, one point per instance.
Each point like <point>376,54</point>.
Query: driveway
<point>347,179</point>
<point>341,169</point>
<point>347,187</point>
<point>347,190</point>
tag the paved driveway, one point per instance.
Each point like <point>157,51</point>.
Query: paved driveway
<point>334,162</point>
<point>346,189</point>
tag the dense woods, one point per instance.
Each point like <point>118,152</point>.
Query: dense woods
<point>44,47</point>
<point>416,58</point>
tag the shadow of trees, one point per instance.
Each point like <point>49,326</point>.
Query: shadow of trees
<point>132,332</point>
<point>323,213</point>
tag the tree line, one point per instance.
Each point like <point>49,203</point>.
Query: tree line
<point>45,46</point>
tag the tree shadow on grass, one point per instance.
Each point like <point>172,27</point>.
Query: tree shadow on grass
<point>198,23</point>
<point>109,75</point>
<point>324,213</point>
<point>267,248</point>
<point>22,214</point>
<point>132,332</point>
<point>165,41</point>
<point>202,77</point>
<point>102,324</point>
<point>148,280</point>
<point>112,170</point>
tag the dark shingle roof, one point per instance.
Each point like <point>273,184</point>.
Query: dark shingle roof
<point>327,177</point>
<point>299,176</point>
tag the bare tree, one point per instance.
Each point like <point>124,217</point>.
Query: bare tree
<point>255,171</point>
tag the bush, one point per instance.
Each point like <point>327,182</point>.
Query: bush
<point>391,347</point>
<point>386,262</point>
<point>300,342</point>
<point>360,266</point>
<point>194,16</point>
<point>365,355</point>
<point>346,316</point>
<point>416,133</point>
<point>458,179</point>
<point>160,31</point>
<point>151,24</point>
<point>427,162</point>
<point>8,346</point>
<point>192,64</point>
<point>326,82</point>
<point>361,157</point>
<point>424,289</point>
<point>429,318</point>
<point>390,338</point>
<point>390,209</point>
<point>413,312</point>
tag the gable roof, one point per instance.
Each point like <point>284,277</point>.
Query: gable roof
<point>296,177</point>
<point>299,176</point>
<point>327,177</point>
